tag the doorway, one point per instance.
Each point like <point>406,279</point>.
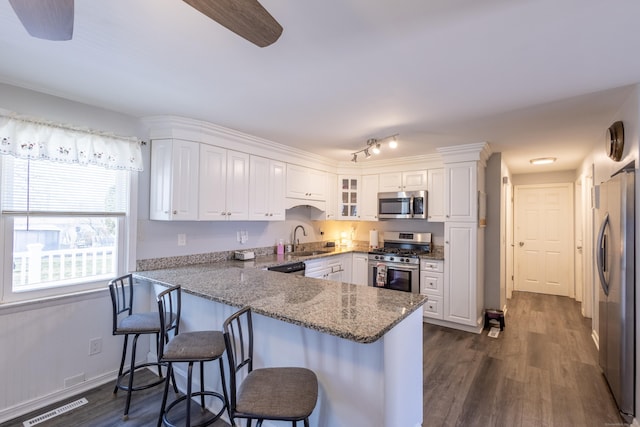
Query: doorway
<point>544,259</point>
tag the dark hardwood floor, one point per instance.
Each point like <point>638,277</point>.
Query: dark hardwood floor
<point>541,371</point>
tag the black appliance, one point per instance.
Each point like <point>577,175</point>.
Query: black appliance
<point>290,268</point>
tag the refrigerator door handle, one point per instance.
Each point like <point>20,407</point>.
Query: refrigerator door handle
<point>601,259</point>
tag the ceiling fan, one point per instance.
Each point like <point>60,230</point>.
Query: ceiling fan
<point>53,19</point>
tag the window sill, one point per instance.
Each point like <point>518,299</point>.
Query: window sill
<point>10,307</point>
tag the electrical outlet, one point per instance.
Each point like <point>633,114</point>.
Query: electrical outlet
<point>95,346</point>
<point>182,239</point>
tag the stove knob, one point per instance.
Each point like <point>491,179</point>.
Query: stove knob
<point>377,257</point>
<point>391,258</point>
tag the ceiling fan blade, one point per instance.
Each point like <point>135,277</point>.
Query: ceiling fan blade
<point>46,19</point>
<point>246,18</point>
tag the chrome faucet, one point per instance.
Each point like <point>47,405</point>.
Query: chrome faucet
<point>297,241</point>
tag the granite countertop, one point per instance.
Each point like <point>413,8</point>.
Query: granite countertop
<point>355,312</point>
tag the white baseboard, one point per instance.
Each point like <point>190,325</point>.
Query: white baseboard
<point>466,328</point>
<point>57,396</point>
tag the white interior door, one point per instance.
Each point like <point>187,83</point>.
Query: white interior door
<point>544,238</point>
<point>578,247</point>
<point>509,244</point>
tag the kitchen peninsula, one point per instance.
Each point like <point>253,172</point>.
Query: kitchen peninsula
<point>364,344</point>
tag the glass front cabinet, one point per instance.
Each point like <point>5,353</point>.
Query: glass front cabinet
<point>349,196</point>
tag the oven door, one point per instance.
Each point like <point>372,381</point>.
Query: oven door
<point>399,277</point>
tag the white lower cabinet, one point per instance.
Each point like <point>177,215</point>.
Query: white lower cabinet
<point>359,268</point>
<point>432,285</point>
<point>327,268</point>
<point>462,292</point>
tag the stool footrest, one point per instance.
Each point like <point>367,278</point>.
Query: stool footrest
<point>182,398</point>
<point>142,386</point>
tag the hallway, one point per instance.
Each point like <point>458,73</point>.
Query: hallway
<point>541,371</point>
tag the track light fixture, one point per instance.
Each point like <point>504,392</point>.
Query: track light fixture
<point>374,146</point>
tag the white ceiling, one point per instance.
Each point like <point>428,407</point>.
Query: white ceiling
<point>531,77</point>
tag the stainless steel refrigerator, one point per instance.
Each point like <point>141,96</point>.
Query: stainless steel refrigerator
<point>615,259</point>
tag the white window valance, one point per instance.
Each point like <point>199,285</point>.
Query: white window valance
<point>29,138</point>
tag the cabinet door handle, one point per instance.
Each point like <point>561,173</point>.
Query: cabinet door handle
<point>175,212</point>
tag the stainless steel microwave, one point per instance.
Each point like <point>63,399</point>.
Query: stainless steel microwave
<point>402,205</point>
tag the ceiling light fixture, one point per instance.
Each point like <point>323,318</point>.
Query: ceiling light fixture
<point>374,146</point>
<point>542,161</point>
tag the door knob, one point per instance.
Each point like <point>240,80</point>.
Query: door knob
<point>521,244</point>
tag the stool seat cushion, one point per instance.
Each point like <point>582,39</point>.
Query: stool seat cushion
<point>278,393</point>
<point>139,323</point>
<point>194,347</point>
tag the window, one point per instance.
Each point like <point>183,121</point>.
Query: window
<point>64,226</point>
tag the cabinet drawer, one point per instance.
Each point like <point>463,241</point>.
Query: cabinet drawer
<point>431,284</point>
<point>431,265</point>
<point>433,308</point>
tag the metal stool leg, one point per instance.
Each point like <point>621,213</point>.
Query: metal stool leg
<point>166,392</point>
<point>133,366</point>
<point>224,390</point>
<point>124,356</point>
<point>202,386</point>
<point>189,380</point>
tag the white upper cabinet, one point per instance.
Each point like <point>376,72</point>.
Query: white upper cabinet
<point>369,199</point>
<point>435,195</point>
<point>266,189</point>
<point>403,181</point>
<point>174,180</point>
<point>461,191</point>
<point>224,184</point>
<point>348,197</point>
<point>332,196</point>
<point>213,177</point>
<point>306,183</point>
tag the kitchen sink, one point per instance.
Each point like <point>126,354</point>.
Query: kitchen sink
<point>309,253</point>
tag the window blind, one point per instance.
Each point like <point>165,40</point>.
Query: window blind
<point>43,186</point>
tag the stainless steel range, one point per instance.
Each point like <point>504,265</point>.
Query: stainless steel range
<point>397,264</point>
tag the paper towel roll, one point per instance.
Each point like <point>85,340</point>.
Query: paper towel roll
<point>373,239</point>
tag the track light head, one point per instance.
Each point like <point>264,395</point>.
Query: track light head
<point>374,146</point>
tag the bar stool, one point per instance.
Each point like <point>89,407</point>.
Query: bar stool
<point>126,322</point>
<point>189,347</point>
<point>278,394</point>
